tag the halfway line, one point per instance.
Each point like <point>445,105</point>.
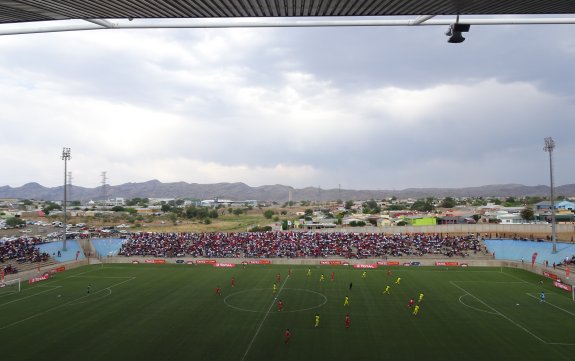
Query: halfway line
<point>264,319</point>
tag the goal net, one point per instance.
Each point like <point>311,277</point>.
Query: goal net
<point>12,286</point>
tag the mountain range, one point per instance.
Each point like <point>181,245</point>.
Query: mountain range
<point>278,193</point>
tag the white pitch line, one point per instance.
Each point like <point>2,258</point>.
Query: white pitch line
<point>550,304</point>
<point>517,278</point>
<point>36,294</point>
<point>499,313</point>
<point>501,282</point>
<point>561,343</point>
<point>262,322</point>
<point>87,300</point>
<point>111,277</point>
<point>60,306</point>
<point>54,280</point>
<point>474,308</point>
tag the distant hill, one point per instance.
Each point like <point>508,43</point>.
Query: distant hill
<point>278,193</point>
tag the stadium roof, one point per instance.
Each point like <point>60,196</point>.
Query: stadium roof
<point>97,11</point>
<point>12,11</point>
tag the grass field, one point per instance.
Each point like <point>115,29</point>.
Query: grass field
<point>171,312</point>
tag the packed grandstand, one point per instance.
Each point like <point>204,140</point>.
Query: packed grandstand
<point>21,250</point>
<point>298,244</point>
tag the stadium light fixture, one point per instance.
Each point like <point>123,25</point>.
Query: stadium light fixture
<point>549,146</point>
<point>65,158</point>
<point>454,32</point>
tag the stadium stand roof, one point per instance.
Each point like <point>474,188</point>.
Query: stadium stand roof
<point>39,10</point>
<point>98,12</point>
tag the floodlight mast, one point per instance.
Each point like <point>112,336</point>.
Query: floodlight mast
<point>549,146</point>
<point>65,158</point>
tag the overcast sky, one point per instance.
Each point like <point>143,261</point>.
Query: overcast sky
<point>364,108</point>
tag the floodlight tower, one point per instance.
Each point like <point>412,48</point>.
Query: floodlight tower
<point>549,146</point>
<point>70,186</point>
<point>65,158</point>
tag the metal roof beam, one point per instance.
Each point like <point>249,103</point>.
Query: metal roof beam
<point>421,19</point>
<point>101,24</point>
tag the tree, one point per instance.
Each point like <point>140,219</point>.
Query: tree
<point>528,214</point>
<point>50,206</point>
<point>348,205</point>
<point>173,217</point>
<point>371,207</point>
<point>268,214</point>
<point>511,202</point>
<point>166,208</point>
<point>142,202</point>
<point>479,202</point>
<point>396,207</point>
<point>533,199</point>
<point>14,222</point>
<point>118,209</point>
<point>260,229</point>
<point>423,205</point>
<point>447,202</point>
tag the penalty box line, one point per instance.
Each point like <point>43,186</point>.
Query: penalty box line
<point>62,305</point>
<point>499,313</point>
<point>550,304</point>
<point>34,295</point>
<point>263,320</point>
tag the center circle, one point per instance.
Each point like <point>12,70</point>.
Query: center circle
<point>258,300</point>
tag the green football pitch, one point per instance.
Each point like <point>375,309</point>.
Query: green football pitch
<point>172,312</point>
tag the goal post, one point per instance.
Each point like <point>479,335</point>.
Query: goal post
<point>12,286</point>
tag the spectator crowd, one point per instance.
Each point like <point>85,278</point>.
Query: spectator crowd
<point>298,245</point>
<point>22,250</point>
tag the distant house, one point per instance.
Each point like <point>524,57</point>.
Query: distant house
<point>456,219</point>
<point>565,205</point>
<point>543,206</point>
<point>511,218</point>
<point>422,221</point>
<point>384,221</point>
<point>562,205</point>
<point>276,226</point>
<point>449,220</point>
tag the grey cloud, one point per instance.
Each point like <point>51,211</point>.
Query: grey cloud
<point>485,138</point>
